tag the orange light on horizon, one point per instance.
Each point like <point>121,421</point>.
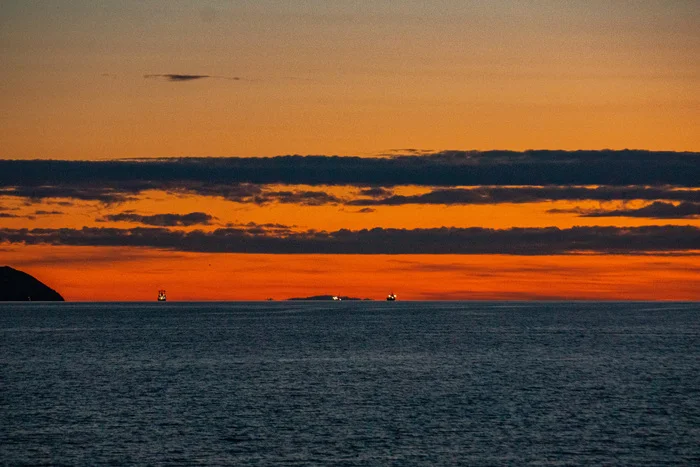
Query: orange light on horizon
<point>136,274</point>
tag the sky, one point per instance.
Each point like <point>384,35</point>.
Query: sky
<point>444,150</point>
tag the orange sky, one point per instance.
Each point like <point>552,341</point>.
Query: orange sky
<point>319,77</point>
<point>325,217</point>
<point>85,80</point>
<point>116,274</point>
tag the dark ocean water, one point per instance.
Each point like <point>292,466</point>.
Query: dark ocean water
<point>350,383</point>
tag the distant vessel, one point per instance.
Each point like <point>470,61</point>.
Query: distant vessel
<point>391,297</point>
<point>337,298</point>
<point>161,295</point>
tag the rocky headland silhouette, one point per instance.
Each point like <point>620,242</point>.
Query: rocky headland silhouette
<point>18,286</point>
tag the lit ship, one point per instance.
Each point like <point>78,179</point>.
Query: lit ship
<point>391,297</point>
<point>161,295</point>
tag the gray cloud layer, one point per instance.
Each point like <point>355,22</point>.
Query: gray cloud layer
<point>656,210</point>
<point>540,176</point>
<point>259,239</point>
<point>81,191</point>
<point>262,195</point>
<point>453,168</point>
<point>162,220</point>
<point>496,195</point>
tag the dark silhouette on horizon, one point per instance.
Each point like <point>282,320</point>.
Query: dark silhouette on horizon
<point>18,286</point>
<point>328,297</point>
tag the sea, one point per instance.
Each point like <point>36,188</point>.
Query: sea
<point>350,383</point>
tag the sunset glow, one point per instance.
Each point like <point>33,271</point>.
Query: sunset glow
<point>144,147</point>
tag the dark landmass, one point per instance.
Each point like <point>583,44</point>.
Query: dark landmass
<point>327,297</point>
<point>18,286</point>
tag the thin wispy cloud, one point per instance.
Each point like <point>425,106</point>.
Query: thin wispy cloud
<point>180,78</point>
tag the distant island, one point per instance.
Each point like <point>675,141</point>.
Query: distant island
<point>18,286</point>
<point>328,297</point>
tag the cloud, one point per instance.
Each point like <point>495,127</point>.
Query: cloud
<point>127,191</point>
<point>444,240</point>
<point>376,192</point>
<point>499,177</point>
<point>655,210</point>
<point>450,168</point>
<point>5,215</point>
<point>42,212</point>
<point>178,78</point>
<point>307,198</point>
<point>253,228</point>
<point>117,193</point>
<point>236,192</point>
<point>260,195</point>
<point>407,151</point>
<point>162,220</point>
<point>497,195</point>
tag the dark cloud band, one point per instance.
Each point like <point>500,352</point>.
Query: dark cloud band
<point>260,239</point>
<point>455,168</point>
<point>498,195</point>
<point>262,195</point>
<point>656,210</point>
<point>162,220</point>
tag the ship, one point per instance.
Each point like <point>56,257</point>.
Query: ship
<point>161,295</point>
<point>391,297</point>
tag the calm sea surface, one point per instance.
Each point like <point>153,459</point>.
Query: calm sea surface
<point>350,383</point>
